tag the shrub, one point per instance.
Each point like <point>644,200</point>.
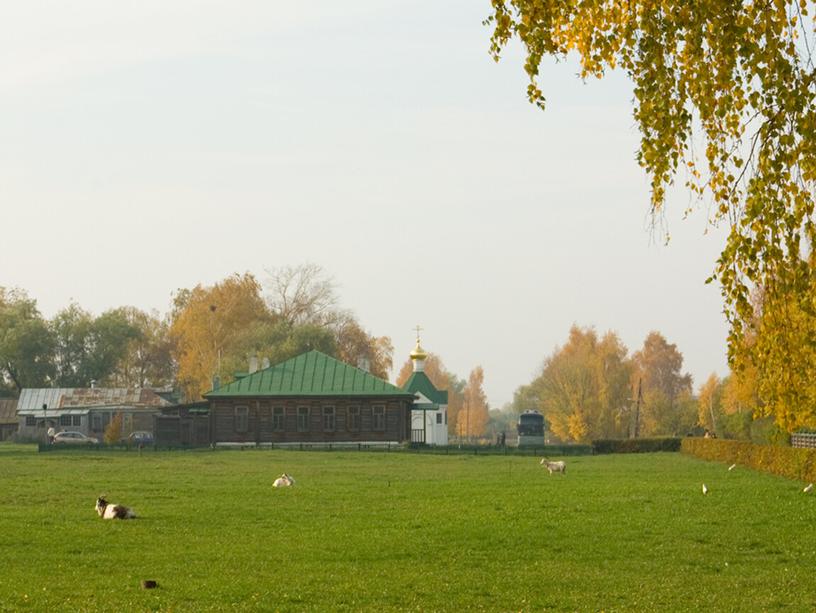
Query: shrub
<point>113,431</point>
<point>636,445</point>
<point>783,461</point>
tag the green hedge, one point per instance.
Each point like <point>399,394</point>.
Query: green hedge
<point>635,445</point>
<point>788,462</point>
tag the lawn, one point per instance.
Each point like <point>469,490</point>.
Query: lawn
<point>398,531</point>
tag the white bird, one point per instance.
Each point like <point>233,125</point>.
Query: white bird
<point>732,467</point>
<point>705,489</point>
<point>808,489</point>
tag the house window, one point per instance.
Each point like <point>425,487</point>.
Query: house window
<point>446,418</point>
<point>76,420</point>
<point>439,418</point>
<point>303,419</point>
<point>379,418</point>
<point>65,420</point>
<point>328,419</point>
<point>31,420</point>
<point>277,419</point>
<point>241,419</point>
<point>353,421</point>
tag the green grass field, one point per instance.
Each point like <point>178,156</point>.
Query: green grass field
<point>398,531</point>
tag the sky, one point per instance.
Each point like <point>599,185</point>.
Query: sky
<point>155,145</point>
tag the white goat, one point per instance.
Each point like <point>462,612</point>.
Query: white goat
<point>113,511</point>
<point>284,481</point>
<point>554,467</point>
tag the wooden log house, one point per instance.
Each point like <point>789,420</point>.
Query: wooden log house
<point>311,398</point>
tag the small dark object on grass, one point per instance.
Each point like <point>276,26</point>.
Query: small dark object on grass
<point>149,584</point>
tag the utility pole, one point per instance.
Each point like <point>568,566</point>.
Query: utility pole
<point>637,406</point>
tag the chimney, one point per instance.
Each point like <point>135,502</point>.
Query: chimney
<point>265,363</point>
<point>216,382</point>
<point>93,383</point>
<point>364,364</point>
<point>253,364</point>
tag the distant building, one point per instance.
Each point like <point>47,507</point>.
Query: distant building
<point>429,414</point>
<point>8,418</point>
<point>311,398</point>
<point>86,410</point>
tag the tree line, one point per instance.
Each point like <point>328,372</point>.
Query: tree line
<point>211,331</point>
<point>591,388</point>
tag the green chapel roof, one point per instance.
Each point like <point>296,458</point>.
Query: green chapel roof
<point>419,382</point>
<point>309,374</point>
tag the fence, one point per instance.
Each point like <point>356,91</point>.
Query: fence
<point>804,440</point>
<point>480,450</point>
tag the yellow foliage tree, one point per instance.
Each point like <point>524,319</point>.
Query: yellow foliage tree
<point>724,94</point>
<point>583,389</point>
<point>472,419</point>
<point>206,323</point>
<point>113,431</point>
<point>709,404</point>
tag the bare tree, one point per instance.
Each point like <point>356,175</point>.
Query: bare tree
<point>301,294</point>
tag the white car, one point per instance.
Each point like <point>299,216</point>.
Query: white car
<point>74,438</point>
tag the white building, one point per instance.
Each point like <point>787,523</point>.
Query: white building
<point>429,415</point>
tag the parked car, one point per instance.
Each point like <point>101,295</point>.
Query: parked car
<point>74,438</point>
<point>140,438</point>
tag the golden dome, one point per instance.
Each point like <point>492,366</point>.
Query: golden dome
<point>418,353</point>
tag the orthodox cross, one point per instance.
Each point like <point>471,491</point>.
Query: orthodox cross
<point>418,330</point>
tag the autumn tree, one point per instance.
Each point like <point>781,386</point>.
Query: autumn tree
<point>471,420</point>
<point>26,343</point>
<point>305,295</point>
<point>113,431</point>
<point>668,407</point>
<point>147,360</point>
<point>583,389</point>
<point>207,327</point>
<point>356,346</point>
<point>709,404</point>
<point>443,380</point>
<point>723,93</point>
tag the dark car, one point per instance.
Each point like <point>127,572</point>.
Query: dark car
<point>140,438</point>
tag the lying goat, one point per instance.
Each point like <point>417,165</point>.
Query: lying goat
<point>284,481</point>
<point>554,467</point>
<point>113,511</point>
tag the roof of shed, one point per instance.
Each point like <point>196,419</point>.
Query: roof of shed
<point>310,374</point>
<point>61,398</point>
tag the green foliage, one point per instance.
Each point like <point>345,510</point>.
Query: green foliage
<point>635,445</point>
<point>26,344</point>
<point>723,91</point>
<point>87,348</point>
<point>781,460</point>
<point>396,532</point>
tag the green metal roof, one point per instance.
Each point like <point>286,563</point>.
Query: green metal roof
<point>310,374</point>
<point>419,382</point>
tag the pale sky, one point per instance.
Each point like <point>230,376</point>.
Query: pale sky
<point>152,145</point>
